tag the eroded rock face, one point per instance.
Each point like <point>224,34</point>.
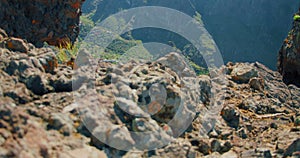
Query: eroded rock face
<point>289,56</point>
<point>55,22</point>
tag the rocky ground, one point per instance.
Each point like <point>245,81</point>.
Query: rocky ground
<point>50,110</point>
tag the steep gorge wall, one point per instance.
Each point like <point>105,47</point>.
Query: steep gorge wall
<point>53,21</point>
<point>289,55</point>
<point>244,30</point>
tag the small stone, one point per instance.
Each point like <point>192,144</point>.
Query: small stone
<point>226,146</point>
<point>204,147</point>
<point>230,154</point>
<point>17,44</point>
<point>215,145</point>
<point>294,147</point>
<point>274,125</point>
<point>226,134</point>
<point>213,134</point>
<point>242,133</point>
<point>61,122</point>
<point>262,152</point>
<point>257,83</point>
<point>231,116</point>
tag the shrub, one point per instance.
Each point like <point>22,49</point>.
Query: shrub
<point>65,53</point>
<point>296,17</point>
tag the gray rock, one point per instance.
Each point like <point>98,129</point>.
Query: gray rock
<point>16,44</point>
<point>131,108</point>
<point>204,147</point>
<point>225,146</point>
<point>257,84</point>
<point>242,73</point>
<point>177,63</point>
<point>230,154</point>
<point>148,135</point>
<point>259,152</point>
<point>37,84</point>
<point>116,136</point>
<point>294,147</point>
<point>62,123</point>
<point>215,145</point>
<point>231,116</point>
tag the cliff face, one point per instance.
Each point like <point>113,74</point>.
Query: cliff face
<point>289,55</point>
<point>55,22</point>
<point>243,30</point>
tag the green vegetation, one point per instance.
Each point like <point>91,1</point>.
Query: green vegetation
<point>65,54</point>
<point>127,48</point>
<point>198,69</point>
<point>296,17</point>
<point>198,17</point>
<point>86,25</point>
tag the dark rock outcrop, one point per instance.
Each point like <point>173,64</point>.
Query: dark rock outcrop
<point>55,22</point>
<point>289,55</point>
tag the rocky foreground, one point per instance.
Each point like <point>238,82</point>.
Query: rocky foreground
<point>50,110</point>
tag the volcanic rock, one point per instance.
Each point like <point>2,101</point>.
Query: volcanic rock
<point>55,22</point>
<point>289,56</point>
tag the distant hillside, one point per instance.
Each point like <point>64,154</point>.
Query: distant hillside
<point>244,30</point>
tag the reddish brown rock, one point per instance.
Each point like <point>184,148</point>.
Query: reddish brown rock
<point>289,56</point>
<point>55,22</point>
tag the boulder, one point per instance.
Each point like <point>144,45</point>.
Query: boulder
<point>55,22</point>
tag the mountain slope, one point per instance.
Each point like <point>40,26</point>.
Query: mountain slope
<point>243,30</point>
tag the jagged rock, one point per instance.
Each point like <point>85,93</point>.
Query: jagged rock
<point>131,108</point>
<point>62,81</point>
<point>177,64</point>
<point>257,84</point>
<point>55,22</point>
<point>115,136</point>
<point>47,59</point>
<point>179,148</point>
<point>144,140</point>
<point>231,115</point>
<point>289,56</point>
<point>260,152</point>
<point>37,84</point>
<point>294,147</point>
<point>295,92</point>
<point>19,93</point>
<point>61,122</point>
<point>242,73</point>
<point>230,154</point>
<point>204,147</point>
<point>16,44</point>
<point>215,145</point>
